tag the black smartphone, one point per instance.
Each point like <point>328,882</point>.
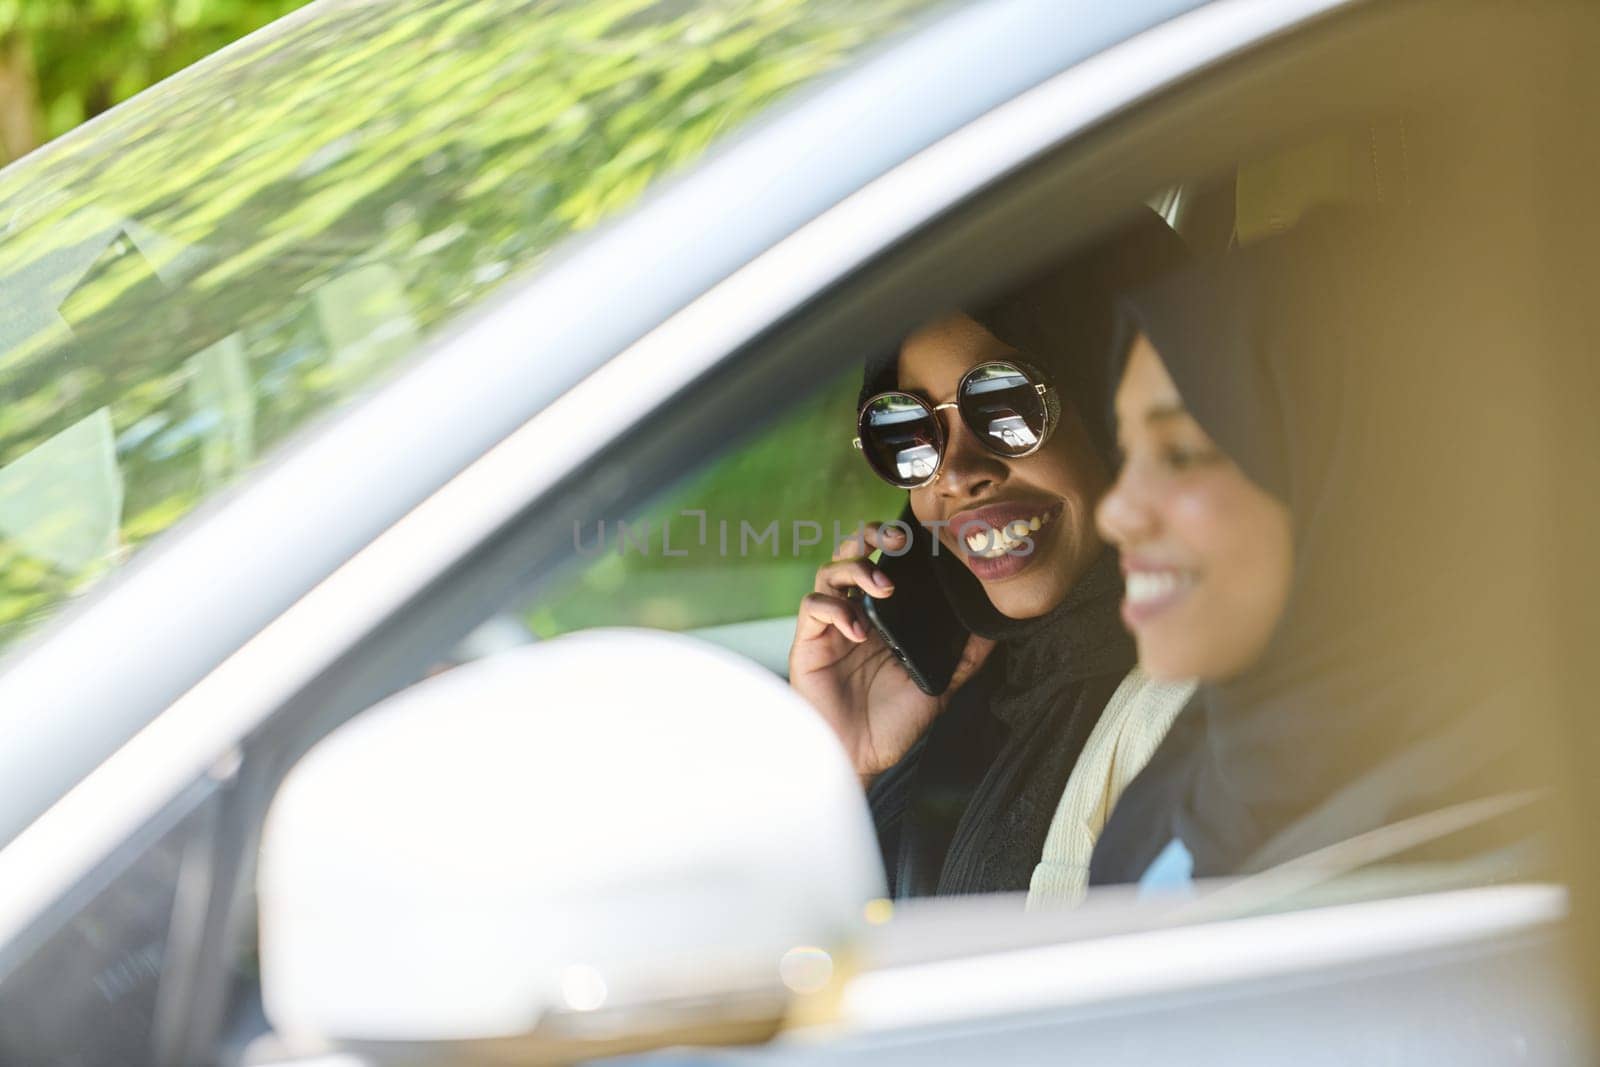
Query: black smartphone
<point>917,622</point>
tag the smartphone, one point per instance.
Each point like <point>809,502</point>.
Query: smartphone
<point>917,622</point>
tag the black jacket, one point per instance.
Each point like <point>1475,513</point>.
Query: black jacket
<point>968,808</point>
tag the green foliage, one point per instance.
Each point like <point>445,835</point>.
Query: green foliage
<point>254,241</point>
<point>801,470</point>
<point>87,55</point>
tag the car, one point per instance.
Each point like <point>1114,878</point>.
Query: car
<point>329,363</point>
<point>1013,431</point>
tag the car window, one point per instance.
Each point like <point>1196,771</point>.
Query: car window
<point>104,964</point>
<point>737,543</point>
<point>730,549</point>
<point>734,543</point>
<point>196,274</point>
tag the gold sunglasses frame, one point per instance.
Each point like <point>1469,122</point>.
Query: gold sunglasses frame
<point>1040,385</point>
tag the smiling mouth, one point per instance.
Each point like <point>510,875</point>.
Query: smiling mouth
<point>1147,593</point>
<point>992,542</point>
<point>1149,587</point>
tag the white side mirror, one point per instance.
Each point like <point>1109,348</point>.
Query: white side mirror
<point>609,835</point>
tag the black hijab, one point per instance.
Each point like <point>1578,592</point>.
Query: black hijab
<point>1065,319</point>
<point>1321,363</point>
<point>968,809</point>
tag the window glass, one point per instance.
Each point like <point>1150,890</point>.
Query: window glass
<point>87,996</point>
<point>251,242</point>
<point>737,542</point>
<point>729,551</point>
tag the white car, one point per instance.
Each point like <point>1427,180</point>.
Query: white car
<point>355,351</point>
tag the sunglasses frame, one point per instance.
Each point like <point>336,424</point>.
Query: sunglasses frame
<point>1041,386</point>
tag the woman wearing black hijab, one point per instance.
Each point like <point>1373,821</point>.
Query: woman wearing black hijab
<point>1315,520</point>
<point>964,786</point>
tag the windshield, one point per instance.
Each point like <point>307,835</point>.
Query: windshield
<point>252,242</point>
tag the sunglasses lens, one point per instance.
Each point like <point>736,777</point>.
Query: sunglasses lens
<point>1001,406</point>
<point>900,438</point>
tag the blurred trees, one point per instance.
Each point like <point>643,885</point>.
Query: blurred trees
<point>64,61</point>
<point>253,243</point>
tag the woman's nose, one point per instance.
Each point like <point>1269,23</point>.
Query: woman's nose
<point>1123,516</point>
<point>969,470</point>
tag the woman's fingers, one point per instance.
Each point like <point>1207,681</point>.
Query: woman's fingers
<point>829,605</point>
<point>819,612</point>
<point>867,539</point>
<point>857,545</point>
<point>842,576</point>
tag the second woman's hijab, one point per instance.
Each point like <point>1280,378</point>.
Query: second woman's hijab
<point>1321,363</point>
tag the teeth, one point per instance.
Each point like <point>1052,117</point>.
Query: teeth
<point>1145,586</point>
<point>990,543</point>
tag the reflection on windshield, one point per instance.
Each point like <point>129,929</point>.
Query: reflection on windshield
<point>249,243</point>
<point>61,502</point>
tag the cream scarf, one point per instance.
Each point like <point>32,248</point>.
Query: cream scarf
<point>1133,723</point>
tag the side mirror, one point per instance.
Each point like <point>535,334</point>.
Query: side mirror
<point>616,839</point>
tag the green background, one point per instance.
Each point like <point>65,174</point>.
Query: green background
<point>63,61</point>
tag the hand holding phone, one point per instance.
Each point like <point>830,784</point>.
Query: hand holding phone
<point>918,624</point>
<point>845,668</point>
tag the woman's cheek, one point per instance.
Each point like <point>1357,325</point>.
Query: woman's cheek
<point>1075,468</point>
<point>1197,518</point>
<point>1238,537</point>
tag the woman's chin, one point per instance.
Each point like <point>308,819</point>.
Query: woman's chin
<point>1026,586</point>
<point>1021,598</point>
<point>1161,669</point>
<point>1166,659</point>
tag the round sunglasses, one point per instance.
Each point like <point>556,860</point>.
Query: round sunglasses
<point>1007,406</point>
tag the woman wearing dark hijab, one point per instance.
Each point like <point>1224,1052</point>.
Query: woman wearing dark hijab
<point>1314,521</point>
<point>966,786</point>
